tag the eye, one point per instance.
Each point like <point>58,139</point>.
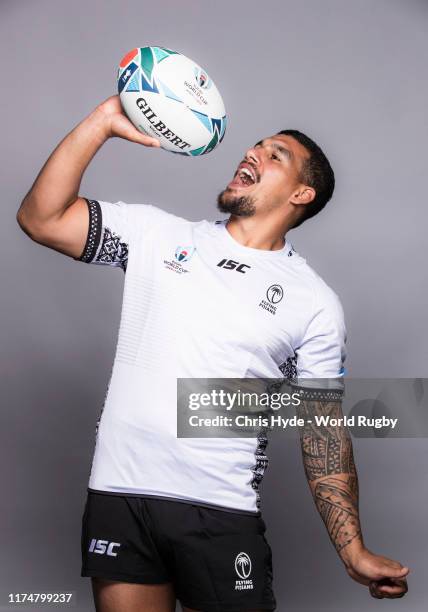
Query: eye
<point>274,156</point>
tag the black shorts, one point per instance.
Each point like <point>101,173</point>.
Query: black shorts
<point>216,560</point>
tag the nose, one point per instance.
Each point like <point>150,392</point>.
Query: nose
<point>251,156</point>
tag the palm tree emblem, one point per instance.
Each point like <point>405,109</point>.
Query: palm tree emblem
<point>274,294</point>
<point>243,565</point>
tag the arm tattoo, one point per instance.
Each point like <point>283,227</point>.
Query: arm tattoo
<point>329,466</point>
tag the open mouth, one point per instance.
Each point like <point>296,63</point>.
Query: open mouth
<point>244,177</point>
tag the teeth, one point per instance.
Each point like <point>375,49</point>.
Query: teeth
<point>247,173</point>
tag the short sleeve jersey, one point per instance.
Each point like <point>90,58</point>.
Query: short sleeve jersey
<point>187,312</point>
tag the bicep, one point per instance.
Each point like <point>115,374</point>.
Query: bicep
<point>67,233</point>
<point>73,229</point>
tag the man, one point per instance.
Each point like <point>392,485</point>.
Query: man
<point>170,517</point>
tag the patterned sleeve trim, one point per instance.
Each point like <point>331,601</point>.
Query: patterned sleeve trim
<point>320,395</point>
<point>113,251</point>
<point>94,232</point>
<point>289,368</point>
<point>312,389</point>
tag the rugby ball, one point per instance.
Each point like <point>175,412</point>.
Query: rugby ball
<point>168,96</point>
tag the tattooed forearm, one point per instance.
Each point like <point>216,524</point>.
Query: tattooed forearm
<point>330,469</point>
<point>338,509</point>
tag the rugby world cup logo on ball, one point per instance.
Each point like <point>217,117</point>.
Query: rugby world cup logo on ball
<point>168,96</point>
<point>202,78</point>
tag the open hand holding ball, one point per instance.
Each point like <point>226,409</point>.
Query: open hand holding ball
<point>169,97</point>
<point>116,124</point>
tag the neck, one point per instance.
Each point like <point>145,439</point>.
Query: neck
<point>258,233</point>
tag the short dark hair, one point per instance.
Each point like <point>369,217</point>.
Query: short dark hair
<point>316,172</point>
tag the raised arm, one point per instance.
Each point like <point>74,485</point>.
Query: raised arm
<point>330,469</point>
<point>52,213</point>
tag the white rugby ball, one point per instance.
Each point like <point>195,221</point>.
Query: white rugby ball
<point>168,96</point>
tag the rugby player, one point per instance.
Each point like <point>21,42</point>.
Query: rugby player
<point>170,518</point>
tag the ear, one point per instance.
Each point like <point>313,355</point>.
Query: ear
<point>303,195</point>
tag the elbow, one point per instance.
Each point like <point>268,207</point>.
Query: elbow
<point>20,218</point>
<point>23,222</point>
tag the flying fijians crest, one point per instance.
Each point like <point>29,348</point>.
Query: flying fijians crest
<point>243,569</point>
<point>274,295</point>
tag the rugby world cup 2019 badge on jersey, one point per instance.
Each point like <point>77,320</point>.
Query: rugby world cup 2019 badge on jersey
<point>182,256</point>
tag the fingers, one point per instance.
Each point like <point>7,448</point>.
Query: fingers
<point>136,136</point>
<point>374,592</point>
<point>150,142</point>
<point>143,139</point>
<point>122,127</point>
<point>387,568</point>
<point>396,571</point>
<point>389,589</point>
<point>385,577</point>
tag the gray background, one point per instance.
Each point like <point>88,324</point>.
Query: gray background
<point>350,74</point>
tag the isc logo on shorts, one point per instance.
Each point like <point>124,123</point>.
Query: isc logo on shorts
<point>103,547</point>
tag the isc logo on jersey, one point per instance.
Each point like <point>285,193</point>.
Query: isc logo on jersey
<point>230,264</point>
<point>103,547</point>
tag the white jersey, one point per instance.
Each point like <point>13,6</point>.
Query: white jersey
<point>197,304</point>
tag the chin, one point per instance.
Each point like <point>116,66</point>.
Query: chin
<point>241,206</point>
